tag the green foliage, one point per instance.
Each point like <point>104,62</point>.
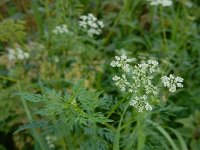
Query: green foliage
<point>12,30</point>
<point>190,129</point>
<point>9,104</point>
<point>79,117</point>
<point>64,112</point>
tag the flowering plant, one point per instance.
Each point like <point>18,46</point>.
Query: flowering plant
<point>17,54</point>
<point>91,24</point>
<point>60,29</point>
<point>138,80</point>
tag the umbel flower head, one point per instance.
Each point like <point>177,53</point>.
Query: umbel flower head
<point>91,24</point>
<point>164,3</point>
<point>121,61</point>
<point>140,103</point>
<point>138,80</point>
<point>121,82</point>
<point>172,82</point>
<point>60,29</point>
<point>17,54</point>
<point>140,75</point>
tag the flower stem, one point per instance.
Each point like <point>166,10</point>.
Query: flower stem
<point>140,131</point>
<point>117,135</point>
<point>163,29</point>
<point>34,132</point>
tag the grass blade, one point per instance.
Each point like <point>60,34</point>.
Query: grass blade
<point>180,139</point>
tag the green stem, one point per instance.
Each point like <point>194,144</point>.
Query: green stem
<point>116,106</point>
<point>64,146</point>
<point>47,10</point>
<point>117,135</point>
<point>166,135</point>
<point>175,24</point>
<point>37,15</point>
<point>107,39</point>
<point>163,29</point>
<point>34,132</point>
<point>8,78</point>
<point>140,131</point>
<point>153,17</point>
<point>25,105</point>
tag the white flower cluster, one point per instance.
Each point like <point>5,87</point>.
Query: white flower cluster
<point>188,4</point>
<point>17,53</point>
<point>140,103</point>
<point>172,82</point>
<point>121,62</point>
<point>140,79</point>
<point>121,82</point>
<point>51,141</point>
<point>60,29</point>
<point>164,3</point>
<point>137,80</point>
<point>91,24</point>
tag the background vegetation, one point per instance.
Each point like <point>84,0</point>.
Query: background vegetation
<point>57,62</point>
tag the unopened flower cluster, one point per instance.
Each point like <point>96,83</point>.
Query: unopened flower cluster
<point>91,24</point>
<point>61,29</point>
<point>138,80</point>
<point>17,54</point>
<point>51,141</point>
<point>163,3</point>
<point>172,82</point>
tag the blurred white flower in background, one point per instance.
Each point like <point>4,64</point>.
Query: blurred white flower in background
<point>91,24</point>
<point>188,4</point>
<point>164,3</point>
<point>60,29</point>
<point>17,54</point>
<point>50,139</point>
<point>56,59</point>
<point>172,82</point>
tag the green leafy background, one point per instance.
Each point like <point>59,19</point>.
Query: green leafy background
<point>75,98</point>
